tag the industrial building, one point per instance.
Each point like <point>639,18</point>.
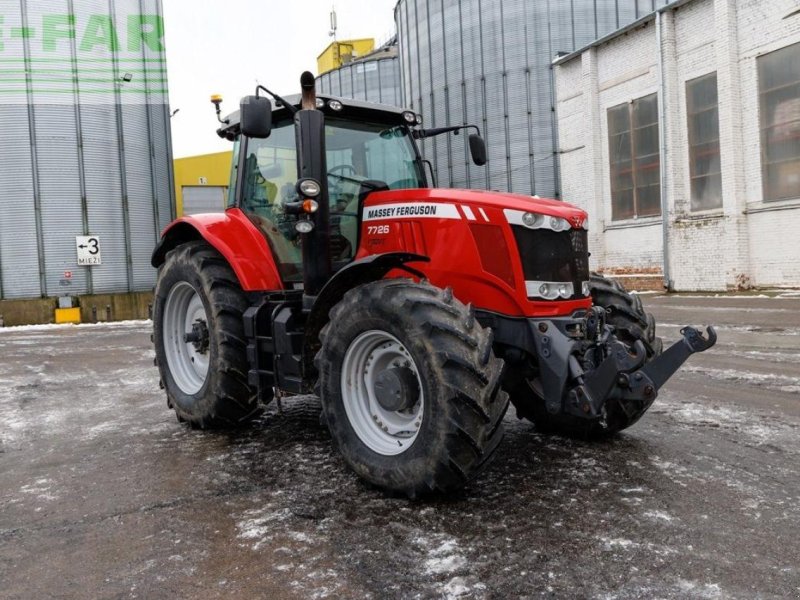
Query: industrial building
<point>375,77</point>
<point>202,183</point>
<point>680,134</point>
<point>342,52</point>
<point>86,177</point>
<point>489,63</point>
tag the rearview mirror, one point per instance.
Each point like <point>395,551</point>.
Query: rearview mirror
<point>255,116</point>
<point>477,148</point>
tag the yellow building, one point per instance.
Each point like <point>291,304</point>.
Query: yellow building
<point>201,183</point>
<point>341,52</point>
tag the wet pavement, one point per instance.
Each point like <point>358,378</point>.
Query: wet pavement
<point>104,495</point>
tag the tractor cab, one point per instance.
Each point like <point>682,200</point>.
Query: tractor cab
<point>367,148</point>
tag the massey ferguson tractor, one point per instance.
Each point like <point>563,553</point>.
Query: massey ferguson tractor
<point>415,313</point>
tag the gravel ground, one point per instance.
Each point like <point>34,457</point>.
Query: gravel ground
<point>104,495</point>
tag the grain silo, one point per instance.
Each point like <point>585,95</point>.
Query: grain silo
<point>86,157</point>
<point>373,78</point>
<point>488,62</point>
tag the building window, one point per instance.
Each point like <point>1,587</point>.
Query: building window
<point>779,102</point>
<point>634,159</point>
<point>703,118</point>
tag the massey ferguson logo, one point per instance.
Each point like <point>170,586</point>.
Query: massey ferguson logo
<point>576,221</point>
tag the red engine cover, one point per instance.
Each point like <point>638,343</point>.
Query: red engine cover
<point>447,225</point>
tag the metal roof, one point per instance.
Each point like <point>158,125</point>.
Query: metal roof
<point>621,31</point>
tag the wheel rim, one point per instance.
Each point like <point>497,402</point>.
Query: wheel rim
<point>384,431</point>
<point>187,360</point>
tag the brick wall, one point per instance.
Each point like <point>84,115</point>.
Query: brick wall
<point>747,240</point>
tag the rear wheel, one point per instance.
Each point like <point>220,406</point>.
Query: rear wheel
<point>198,334</point>
<point>410,387</point>
<point>625,312</point>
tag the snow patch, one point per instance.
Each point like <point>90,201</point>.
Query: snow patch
<point>659,515</point>
<point>617,543</point>
<point>775,381</point>
<point>260,524</point>
<point>780,357</point>
<point>41,489</point>
<point>458,587</point>
<point>758,428</point>
<point>131,324</point>
<point>445,558</point>
<point>697,590</point>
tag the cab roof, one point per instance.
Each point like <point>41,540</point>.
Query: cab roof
<point>356,109</point>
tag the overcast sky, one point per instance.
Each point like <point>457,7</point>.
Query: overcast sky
<point>223,47</point>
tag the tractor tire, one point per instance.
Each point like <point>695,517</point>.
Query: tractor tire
<point>625,312</point>
<point>197,293</point>
<point>410,387</point>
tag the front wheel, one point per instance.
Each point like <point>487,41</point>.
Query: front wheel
<point>198,332</point>
<point>410,387</point>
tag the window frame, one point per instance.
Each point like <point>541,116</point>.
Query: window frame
<point>692,147</point>
<point>634,169</point>
<point>764,127</point>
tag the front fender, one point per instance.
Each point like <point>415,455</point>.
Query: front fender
<point>234,236</point>
<point>364,270</point>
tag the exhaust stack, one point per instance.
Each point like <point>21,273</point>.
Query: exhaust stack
<point>308,86</point>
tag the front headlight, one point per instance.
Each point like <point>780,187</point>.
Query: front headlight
<point>532,220</point>
<point>308,187</point>
<point>549,290</point>
<point>559,224</point>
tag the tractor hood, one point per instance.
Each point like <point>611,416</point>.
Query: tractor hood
<point>477,202</point>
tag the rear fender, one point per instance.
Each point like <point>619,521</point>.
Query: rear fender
<point>234,236</point>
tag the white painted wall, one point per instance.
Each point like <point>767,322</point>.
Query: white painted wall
<point>747,241</point>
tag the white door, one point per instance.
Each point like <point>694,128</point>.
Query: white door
<point>203,199</point>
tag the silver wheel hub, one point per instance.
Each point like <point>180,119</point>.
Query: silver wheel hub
<point>382,392</point>
<point>185,334</point>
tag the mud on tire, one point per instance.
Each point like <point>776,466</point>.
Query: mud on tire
<point>625,312</point>
<point>224,399</point>
<point>463,409</point>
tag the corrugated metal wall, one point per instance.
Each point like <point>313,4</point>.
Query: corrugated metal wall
<point>376,80</point>
<point>487,63</point>
<point>85,152</point>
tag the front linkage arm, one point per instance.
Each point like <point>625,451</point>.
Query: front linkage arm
<point>621,374</point>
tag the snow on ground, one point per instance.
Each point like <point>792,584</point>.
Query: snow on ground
<point>651,513</point>
<point>781,331</point>
<point>759,430</point>
<point>774,381</point>
<point>771,356</point>
<point>727,309</point>
<point>131,324</point>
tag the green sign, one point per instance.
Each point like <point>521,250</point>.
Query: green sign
<point>90,32</point>
<point>88,54</point>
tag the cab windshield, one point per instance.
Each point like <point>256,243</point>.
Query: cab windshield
<point>355,152</point>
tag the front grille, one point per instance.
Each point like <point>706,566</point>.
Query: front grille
<point>548,255</point>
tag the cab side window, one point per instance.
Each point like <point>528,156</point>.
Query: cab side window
<point>270,173</point>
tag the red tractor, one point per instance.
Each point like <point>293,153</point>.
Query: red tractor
<point>415,313</point>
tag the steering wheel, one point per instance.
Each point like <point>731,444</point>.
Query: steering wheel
<point>350,168</point>
<point>341,177</point>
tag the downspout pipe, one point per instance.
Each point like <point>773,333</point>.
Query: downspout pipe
<point>662,128</point>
